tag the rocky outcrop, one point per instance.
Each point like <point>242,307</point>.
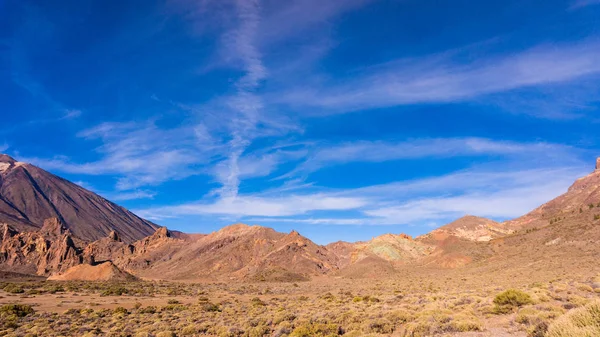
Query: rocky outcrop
<point>106,271</point>
<point>49,250</point>
<point>109,248</point>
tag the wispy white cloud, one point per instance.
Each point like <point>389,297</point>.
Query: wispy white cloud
<point>134,195</point>
<point>497,192</point>
<point>261,206</point>
<point>71,113</point>
<point>500,195</point>
<point>3,147</point>
<point>247,105</point>
<point>140,154</point>
<point>310,221</point>
<point>324,155</point>
<point>287,19</point>
<point>85,185</point>
<point>584,3</point>
<point>444,78</point>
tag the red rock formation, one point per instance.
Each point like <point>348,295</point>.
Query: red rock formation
<point>49,250</point>
<point>106,271</point>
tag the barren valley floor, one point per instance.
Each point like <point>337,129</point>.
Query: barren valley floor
<point>421,302</point>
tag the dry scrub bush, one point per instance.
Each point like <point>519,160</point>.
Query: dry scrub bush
<point>14,288</point>
<point>581,322</point>
<point>509,300</point>
<point>536,319</point>
<point>16,310</point>
<point>439,321</point>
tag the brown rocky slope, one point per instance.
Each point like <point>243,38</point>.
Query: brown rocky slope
<point>30,195</point>
<point>559,234</point>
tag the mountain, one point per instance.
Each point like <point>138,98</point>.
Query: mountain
<point>556,238</point>
<point>237,251</point>
<point>472,228</point>
<point>392,248</point>
<point>30,195</point>
<point>581,203</point>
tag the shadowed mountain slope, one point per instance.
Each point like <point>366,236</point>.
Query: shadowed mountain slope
<point>30,195</point>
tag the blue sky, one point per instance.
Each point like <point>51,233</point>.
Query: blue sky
<point>341,119</point>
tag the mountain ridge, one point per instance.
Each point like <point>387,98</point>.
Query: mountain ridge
<point>257,253</point>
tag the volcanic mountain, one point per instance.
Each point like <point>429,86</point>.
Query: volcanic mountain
<point>30,195</point>
<point>53,228</point>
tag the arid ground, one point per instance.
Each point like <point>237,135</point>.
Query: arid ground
<point>422,303</point>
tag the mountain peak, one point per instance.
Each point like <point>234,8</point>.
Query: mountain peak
<point>30,196</point>
<point>6,162</point>
<point>598,164</point>
<point>4,158</point>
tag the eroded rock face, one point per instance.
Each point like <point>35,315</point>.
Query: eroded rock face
<point>49,250</point>
<point>598,164</point>
<point>106,249</point>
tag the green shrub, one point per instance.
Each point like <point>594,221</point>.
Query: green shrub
<point>328,297</point>
<point>120,311</point>
<point>316,329</point>
<point>54,288</point>
<point>166,334</point>
<point>259,331</point>
<point>210,307</point>
<point>509,300</point>
<point>174,307</point>
<point>189,330</point>
<point>148,310</point>
<point>114,291</point>
<point>380,326</point>
<point>18,310</point>
<point>14,288</point>
<point>257,302</point>
<point>583,321</point>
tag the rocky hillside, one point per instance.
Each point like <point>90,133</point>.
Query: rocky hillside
<point>243,252</point>
<point>392,248</point>
<point>554,237</point>
<point>472,228</point>
<point>580,203</point>
<point>30,195</point>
